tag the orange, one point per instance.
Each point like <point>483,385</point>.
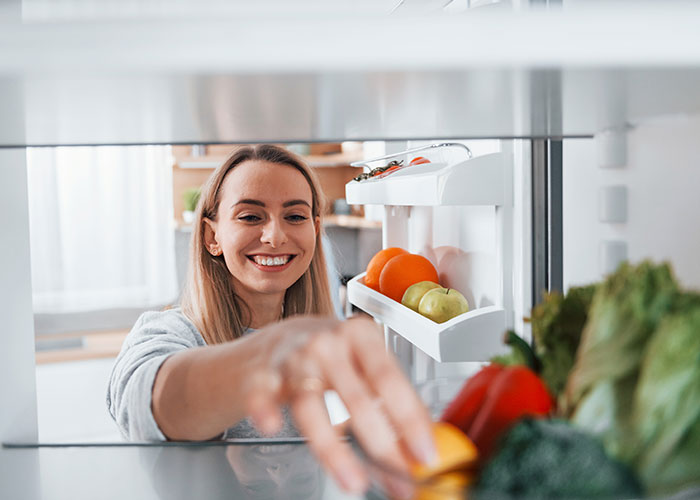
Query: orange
<point>403,271</point>
<point>456,452</point>
<point>375,266</point>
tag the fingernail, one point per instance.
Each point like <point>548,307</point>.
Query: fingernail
<point>423,447</point>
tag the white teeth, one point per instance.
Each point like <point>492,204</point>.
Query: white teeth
<point>271,261</point>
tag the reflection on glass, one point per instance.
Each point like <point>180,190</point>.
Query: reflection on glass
<point>237,471</point>
<point>279,471</point>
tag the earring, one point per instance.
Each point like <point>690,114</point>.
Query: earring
<point>215,251</point>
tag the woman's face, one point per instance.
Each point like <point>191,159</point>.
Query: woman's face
<point>264,227</point>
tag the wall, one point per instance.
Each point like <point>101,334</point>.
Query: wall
<point>662,177</point>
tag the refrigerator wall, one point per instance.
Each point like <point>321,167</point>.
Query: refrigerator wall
<point>633,196</point>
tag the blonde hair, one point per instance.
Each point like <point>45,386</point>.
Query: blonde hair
<point>208,298</point>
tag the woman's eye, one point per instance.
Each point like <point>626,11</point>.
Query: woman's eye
<point>297,218</point>
<point>249,218</point>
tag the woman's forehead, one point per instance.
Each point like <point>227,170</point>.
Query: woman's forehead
<point>265,181</point>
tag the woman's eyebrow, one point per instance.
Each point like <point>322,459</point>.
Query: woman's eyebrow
<point>295,202</point>
<point>248,201</point>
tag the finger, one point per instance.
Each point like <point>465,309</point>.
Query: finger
<point>342,428</point>
<point>406,411</point>
<point>399,486</point>
<point>261,396</point>
<point>311,417</point>
<point>369,422</point>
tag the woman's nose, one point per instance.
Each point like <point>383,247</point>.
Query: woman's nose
<point>273,233</point>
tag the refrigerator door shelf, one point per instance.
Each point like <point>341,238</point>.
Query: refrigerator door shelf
<point>473,336</point>
<point>478,181</point>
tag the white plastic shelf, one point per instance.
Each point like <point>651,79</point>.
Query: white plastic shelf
<point>476,335</point>
<point>478,181</point>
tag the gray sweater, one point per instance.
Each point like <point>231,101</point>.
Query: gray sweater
<point>154,337</point>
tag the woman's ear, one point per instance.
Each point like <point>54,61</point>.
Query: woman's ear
<point>210,242</point>
<point>317,224</point>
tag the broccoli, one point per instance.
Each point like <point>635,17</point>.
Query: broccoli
<point>551,459</point>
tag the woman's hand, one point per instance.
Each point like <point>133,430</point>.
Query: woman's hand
<point>304,356</point>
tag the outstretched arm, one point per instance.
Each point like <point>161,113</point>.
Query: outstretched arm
<point>200,392</point>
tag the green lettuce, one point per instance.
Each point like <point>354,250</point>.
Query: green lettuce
<point>666,412</point>
<point>626,310</point>
<point>557,324</point>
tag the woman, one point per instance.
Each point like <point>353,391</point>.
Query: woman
<point>255,338</point>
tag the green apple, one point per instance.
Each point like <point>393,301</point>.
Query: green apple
<point>441,304</point>
<point>413,294</point>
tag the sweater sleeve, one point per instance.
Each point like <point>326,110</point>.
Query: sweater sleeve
<point>154,337</point>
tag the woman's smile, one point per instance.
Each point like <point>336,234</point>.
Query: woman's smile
<point>271,263</point>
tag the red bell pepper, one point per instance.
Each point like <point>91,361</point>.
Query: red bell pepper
<point>515,392</point>
<point>462,410</point>
<point>497,397</point>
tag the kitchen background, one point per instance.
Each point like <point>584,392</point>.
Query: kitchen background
<point>110,230</point>
<point>109,238</point>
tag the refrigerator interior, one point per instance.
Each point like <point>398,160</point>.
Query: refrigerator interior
<point>638,102</point>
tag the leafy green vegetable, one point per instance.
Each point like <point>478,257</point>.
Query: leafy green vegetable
<point>682,469</point>
<point>626,309</point>
<point>557,324</point>
<point>551,459</point>
<point>665,444</point>
<point>634,381</point>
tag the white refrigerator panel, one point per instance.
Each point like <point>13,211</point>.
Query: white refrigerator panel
<point>646,207</point>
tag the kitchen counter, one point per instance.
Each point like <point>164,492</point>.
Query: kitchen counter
<point>248,469</point>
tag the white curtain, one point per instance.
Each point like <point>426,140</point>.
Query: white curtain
<point>101,227</point>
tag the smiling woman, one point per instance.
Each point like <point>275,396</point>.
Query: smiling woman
<point>263,203</point>
<point>255,343</point>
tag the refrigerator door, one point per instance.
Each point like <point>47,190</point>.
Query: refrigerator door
<point>458,213</point>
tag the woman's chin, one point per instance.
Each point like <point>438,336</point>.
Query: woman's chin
<point>271,286</point>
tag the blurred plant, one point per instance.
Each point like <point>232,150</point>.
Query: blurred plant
<point>191,198</point>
